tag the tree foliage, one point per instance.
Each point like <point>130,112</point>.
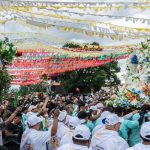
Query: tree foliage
<point>5,81</point>
<point>24,90</point>
<point>71,45</point>
<point>75,45</point>
<point>95,43</point>
<point>7,53</point>
<point>90,78</point>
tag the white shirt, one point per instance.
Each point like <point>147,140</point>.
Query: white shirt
<point>140,146</point>
<point>73,146</point>
<point>61,130</point>
<point>67,138</point>
<point>67,119</point>
<point>108,140</point>
<point>36,140</point>
<point>98,128</point>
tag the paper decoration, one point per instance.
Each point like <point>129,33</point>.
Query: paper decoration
<point>133,19</point>
<point>32,65</point>
<point>52,13</point>
<point>85,23</point>
<point>101,34</point>
<point>79,4</point>
<point>89,27</point>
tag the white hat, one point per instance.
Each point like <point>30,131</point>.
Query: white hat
<point>100,105</point>
<point>112,119</point>
<point>93,107</point>
<point>105,114</point>
<point>62,115</point>
<point>145,130</point>
<point>74,122</point>
<point>32,107</point>
<point>33,120</point>
<point>83,132</point>
<point>82,121</point>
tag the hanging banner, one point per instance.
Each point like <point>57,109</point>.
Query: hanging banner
<point>32,66</point>
<point>85,23</point>
<point>133,19</point>
<point>81,4</point>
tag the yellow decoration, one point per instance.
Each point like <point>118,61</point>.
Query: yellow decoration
<point>91,22</point>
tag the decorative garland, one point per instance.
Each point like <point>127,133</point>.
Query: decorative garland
<point>81,4</point>
<point>84,22</point>
<point>34,64</point>
<point>101,34</point>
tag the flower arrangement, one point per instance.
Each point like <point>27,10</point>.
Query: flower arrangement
<point>129,98</point>
<point>7,52</point>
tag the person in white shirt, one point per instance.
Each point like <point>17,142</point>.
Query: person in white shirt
<point>62,127</point>
<point>34,139</point>
<point>81,139</point>
<point>108,138</point>
<point>100,121</point>
<point>72,124</point>
<point>95,113</point>
<point>100,107</point>
<point>33,108</point>
<point>145,135</point>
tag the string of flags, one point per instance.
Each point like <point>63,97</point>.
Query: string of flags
<point>30,67</point>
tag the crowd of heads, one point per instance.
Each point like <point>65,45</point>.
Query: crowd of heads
<point>84,115</point>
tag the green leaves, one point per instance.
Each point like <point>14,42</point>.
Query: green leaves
<point>72,45</point>
<point>5,81</point>
<point>90,78</point>
<point>145,46</point>
<point>95,43</point>
<point>7,53</point>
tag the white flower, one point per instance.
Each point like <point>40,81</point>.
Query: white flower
<point>3,47</point>
<point>7,48</point>
<point>14,48</point>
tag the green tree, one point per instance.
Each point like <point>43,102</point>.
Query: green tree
<point>7,53</point>
<point>90,78</point>
<point>5,81</point>
<point>24,90</point>
<point>95,43</point>
<point>71,45</point>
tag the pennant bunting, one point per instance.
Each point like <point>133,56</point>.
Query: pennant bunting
<point>31,66</point>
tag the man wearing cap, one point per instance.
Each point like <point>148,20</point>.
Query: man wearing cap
<point>100,122</point>
<point>62,127</point>
<point>95,114</point>
<point>145,135</point>
<point>84,118</point>
<point>34,139</point>
<point>100,106</point>
<point>80,138</point>
<point>72,124</point>
<point>108,138</point>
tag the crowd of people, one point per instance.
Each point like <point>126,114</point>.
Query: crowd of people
<point>42,122</point>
